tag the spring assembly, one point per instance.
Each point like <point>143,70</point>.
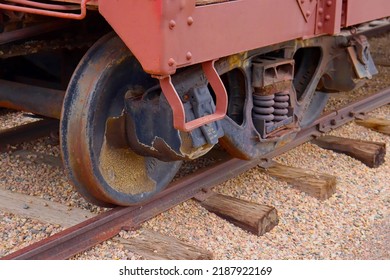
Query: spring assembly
<point>263,108</point>
<point>281,106</point>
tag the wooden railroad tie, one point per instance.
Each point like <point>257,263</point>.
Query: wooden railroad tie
<point>148,244</point>
<point>41,209</point>
<point>319,185</point>
<point>379,125</point>
<point>39,158</point>
<point>371,154</point>
<point>155,246</point>
<point>255,218</point>
<point>27,132</point>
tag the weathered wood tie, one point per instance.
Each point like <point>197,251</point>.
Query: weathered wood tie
<point>26,132</point>
<point>148,244</point>
<point>371,154</point>
<point>319,185</point>
<point>39,158</point>
<point>156,246</point>
<point>379,125</point>
<point>255,218</point>
<point>41,210</point>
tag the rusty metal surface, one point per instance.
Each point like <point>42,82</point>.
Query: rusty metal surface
<point>372,29</point>
<point>91,232</point>
<point>41,101</point>
<point>27,32</point>
<point>79,41</point>
<point>93,163</point>
<point>336,119</point>
<point>28,132</point>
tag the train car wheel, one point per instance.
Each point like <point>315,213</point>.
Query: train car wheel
<point>98,162</point>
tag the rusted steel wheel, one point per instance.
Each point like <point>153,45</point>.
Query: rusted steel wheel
<point>97,159</point>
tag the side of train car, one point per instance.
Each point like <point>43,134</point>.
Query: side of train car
<point>141,86</point>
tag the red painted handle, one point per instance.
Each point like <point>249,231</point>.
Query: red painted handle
<point>178,108</point>
<point>42,9</point>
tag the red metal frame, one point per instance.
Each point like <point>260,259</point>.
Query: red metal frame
<point>359,11</point>
<point>170,34</point>
<point>165,35</point>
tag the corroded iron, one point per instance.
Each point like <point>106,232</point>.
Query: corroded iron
<point>38,100</point>
<point>102,167</point>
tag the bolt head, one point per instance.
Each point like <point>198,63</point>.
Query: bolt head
<point>171,62</point>
<point>172,24</point>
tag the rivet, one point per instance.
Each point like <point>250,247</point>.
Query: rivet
<point>189,56</point>
<point>329,3</point>
<point>172,24</point>
<point>319,25</point>
<point>302,1</point>
<point>190,20</point>
<point>320,11</point>
<point>327,17</point>
<point>186,97</point>
<point>171,62</point>
<point>308,13</point>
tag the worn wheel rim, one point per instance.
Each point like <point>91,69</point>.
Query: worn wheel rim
<point>104,174</point>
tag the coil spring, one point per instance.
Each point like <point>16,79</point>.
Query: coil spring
<point>281,106</point>
<point>263,108</point>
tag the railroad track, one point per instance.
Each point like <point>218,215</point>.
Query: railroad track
<point>93,231</point>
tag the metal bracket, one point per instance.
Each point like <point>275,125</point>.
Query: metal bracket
<point>179,117</point>
<point>328,15</point>
<point>361,58</point>
<point>307,8</point>
<point>33,7</point>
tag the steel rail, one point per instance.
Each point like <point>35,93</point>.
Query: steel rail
<point>35,30</point>
<point>38,100</point>
<point>85,235</point>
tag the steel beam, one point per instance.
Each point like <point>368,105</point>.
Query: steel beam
<point>38,100</point>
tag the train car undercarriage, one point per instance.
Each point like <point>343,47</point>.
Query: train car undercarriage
<point>140,100</point>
